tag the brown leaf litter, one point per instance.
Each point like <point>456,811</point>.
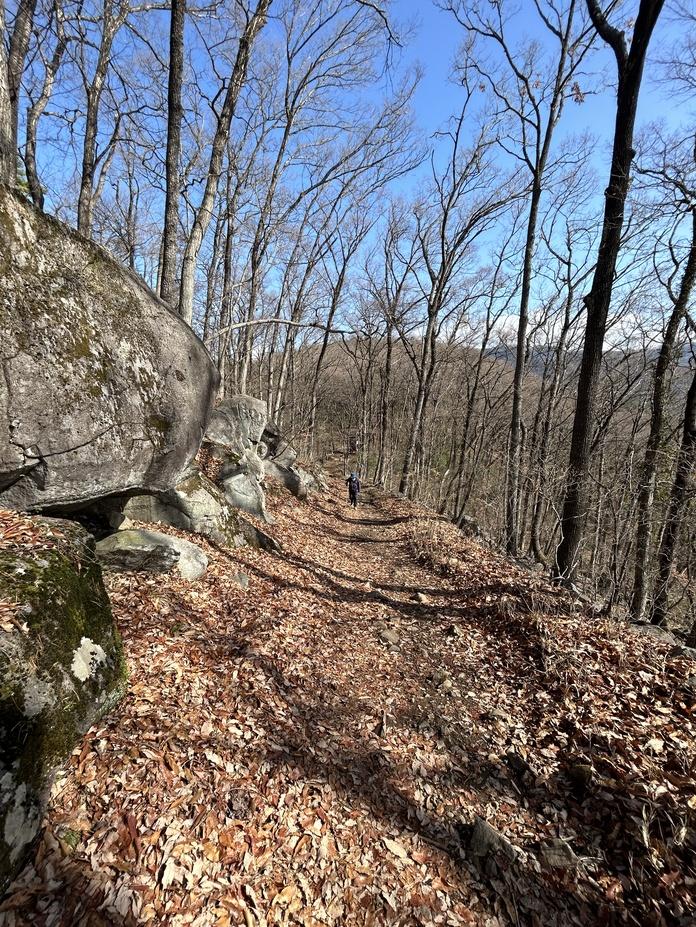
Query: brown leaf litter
<point>321,748</point>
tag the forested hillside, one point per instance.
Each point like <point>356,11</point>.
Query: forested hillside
<point>265,171</point>
<point>248,248</point>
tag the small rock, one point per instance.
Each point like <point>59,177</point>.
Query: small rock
<point>389,636</point>
<point>681,651</point>
<point>581,776</point>
<point>242,580</point>
<point>557,854</point>
<point>442,679</point>
<point>518,764</point>
<point>136,549</point>
<point>653,630</point>
<point>485,839</point>
<point>421,598</point>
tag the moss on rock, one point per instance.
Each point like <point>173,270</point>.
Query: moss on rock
<point>103,389</point>
<point>61,670</point>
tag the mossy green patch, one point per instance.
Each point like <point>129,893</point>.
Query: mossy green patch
<point>62,603</point>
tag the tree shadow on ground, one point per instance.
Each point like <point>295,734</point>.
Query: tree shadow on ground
<point>365,774</point>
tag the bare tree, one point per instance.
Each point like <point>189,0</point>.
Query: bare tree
<point>167,287</point>
<point>254,23</point>
<point>530,93</point>
<point>12,69</point>
<point>465,199</point>
<point>675,177</point>
<point>7,151</point>
<point>38,105</point>
<point>629,62</point>
<point>678,499</point>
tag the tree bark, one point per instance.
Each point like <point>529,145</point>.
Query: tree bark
<point>175,113</point>
<point>19,43</point>
<point>384,418</point>
<point>7,155</point>
<point>665,363</point>
<point>677,504</point>
<point>630,71</point>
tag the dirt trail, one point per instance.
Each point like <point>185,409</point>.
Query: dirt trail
<point>313,750</point>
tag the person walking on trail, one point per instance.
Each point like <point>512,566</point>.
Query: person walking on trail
<point>353,484</point>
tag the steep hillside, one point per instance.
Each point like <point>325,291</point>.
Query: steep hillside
<point>391,725</point>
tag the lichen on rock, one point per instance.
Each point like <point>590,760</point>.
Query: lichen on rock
<point>61,668</point>
<point>102,388</point>
<point>199,505</point>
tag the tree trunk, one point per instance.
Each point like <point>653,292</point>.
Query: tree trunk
<point>175,112</point>
<point>677,503</point>
<point>384,418</point>
<point>19,43</point>
<point>205,211</point>
<point>665,362</point>
<point>314,396</point>
<point>630,72</point>
<point>85,202</point>
<point>7,152</point>
<point>37,108</point>
<point>514,445</point>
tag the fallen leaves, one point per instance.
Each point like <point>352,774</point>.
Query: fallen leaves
<point>277,762</point>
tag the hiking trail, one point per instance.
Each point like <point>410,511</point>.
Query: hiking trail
<point>315,749</point>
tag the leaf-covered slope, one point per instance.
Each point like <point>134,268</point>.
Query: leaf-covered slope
<point>318,749</point>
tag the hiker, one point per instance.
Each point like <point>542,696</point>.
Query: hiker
<point>353,484</point>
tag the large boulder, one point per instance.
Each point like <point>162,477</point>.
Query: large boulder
<point>104,389</point>
<point>152,551</point>
<point>280,464</point>
<point>243,488</point>
<point>233,440</point>
<point>238,424</point>
<point>61,667</point>
<point>198,505</point>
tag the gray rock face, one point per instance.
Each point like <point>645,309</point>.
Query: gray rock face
<point>102,388</point>
<point>280,464</point>
<point>244,491</point>
<point>61,669</point>
<point>196,504</point>
<point>137,549</point>
<point>292,478</point>
<point>238,423</point>
<point>233,437</point>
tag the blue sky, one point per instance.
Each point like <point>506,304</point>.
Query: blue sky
<point>437,38</point>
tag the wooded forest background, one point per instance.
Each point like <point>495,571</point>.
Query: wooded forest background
<point>504,327</point>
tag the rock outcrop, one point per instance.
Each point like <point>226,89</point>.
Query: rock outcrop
<point>153,551</point>
<point>102,389</point>
<point>198,505</point>
<point>233,439</point>
<point>280,463</point>
<point>61,669</point>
